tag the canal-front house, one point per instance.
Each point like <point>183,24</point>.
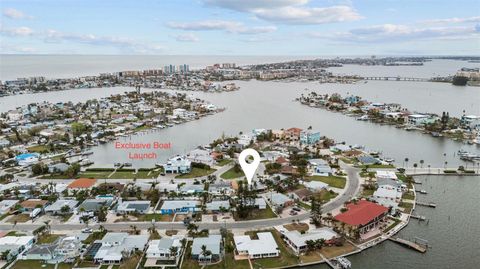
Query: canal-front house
<point>309,137</point>
<point>212,243</point>
<point>264,246</point>
<point>178,165</point>
<point>178,206</point>
<point>362,216</point>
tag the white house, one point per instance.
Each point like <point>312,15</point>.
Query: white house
<point>160,249</point>
<point>297,241</point>
<point>178,165</point>
<point>114,245</point>
<point>264,246</point>
<point>56,208</point>
<point>320,167</point>
<point>7,205</point>
<point>16,244</point>
<point>126,207</point>
<point>201,156</point>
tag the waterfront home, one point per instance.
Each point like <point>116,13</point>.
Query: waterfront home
<point>419,119</point>
<point>387,196</point>
<point>161,249</point>
<point>126,207</point>
<point>178,206</point>
<point>320,167</point>
<point>61,207</point>
<point>391,183</point>
<point>362,216</point>
<point>218,206</point>
<point>58,168</point>
<point>245,140</point>
<point>309,137</point>
<point>31,204</point>
<point>178,165</point>
<point>7,205</point>
<point>340,148</point>
<point>382,174</point>
<point>115,246</point>
<point>264,246</point>
<point>292,134</point>
<point>82,183</point>
<point>15,244</point>
<point>367,160</point>
<point>201,156</point>
<point>471,122</point>
<point>298,241</point>
<point>213,243</point>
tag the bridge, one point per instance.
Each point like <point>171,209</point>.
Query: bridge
<point>396,79</point>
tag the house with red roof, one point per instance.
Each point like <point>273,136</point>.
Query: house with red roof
<point>362,216</point>
<point>292,134</point>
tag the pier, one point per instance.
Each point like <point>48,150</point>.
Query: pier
<point>397,79</point>
<point>420,218</point>
<point>413,245</point>
<point>426,204</point>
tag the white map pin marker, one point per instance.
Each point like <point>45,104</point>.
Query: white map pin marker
<point>249,168</point>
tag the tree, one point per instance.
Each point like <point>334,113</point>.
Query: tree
<point>192,227</point>
<point>73,170</point>
<point>205,252</point>
<point>65,209</point>
<point>39,169</point>
<point>406,162</point>
<point>316,211</point>
<point>421,163</point>
<point>310,245</point>
<point>4,255</point>
<point>415,165</point>
<point>173,251</point>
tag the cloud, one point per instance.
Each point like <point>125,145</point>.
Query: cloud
<point>301,15</point>
<point>16,31</point>
<point>228,26</point>
<point>290,11</point>
<point>250,5</point>
<point>53,36</point>
<point>189,37</point>
<point>15,14</point>
<point>453,20</point>
<point>398,33</point>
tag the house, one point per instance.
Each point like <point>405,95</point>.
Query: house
<point>192,188</point>
<point>40,252</point>
<point>201,156</point>
<point>278,199</point>
<point>303,194</point>
<point>7,205</point>
<point>292,134</point>
<point>216,206</point>
<point>167,187</point>
<point>362,216</point>
<point>68,248</point>
<point>61,207</point>
<point>220,188</point>
<point>315,185</point>
<point>213,243</point>
<point>30,204</point>
<point>58,168</point>
<point>93,205</point>
<point>320,167</point>
<point>27,159</point>
<point>115,245</point>
<point>260,203</point>
<point>127,207</point>
<point>15,244</point>
<point>367,160</point>
<point>82,183</point>
<point>264,246</point>
<point>309,137</point>
<point>178,165</point>
<point>387,196</point>
<point>381,174</point>
<point>178,206</point>
<point>160,249</point>
<point>298,241</point>
<point>419,119</point>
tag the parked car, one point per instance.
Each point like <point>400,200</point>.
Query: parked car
<point>87,230</point>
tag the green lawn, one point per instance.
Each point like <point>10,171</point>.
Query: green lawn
<point>30,264</point>
<point>48,238</point>
<point>324,195</point>
<point>261,214</point>
<point>304,205</point>
<point>65,266</point>
<point>39,149</point>
<point>20,218</point>
<point>332,181</point>
<point>224,162</point>
<point>408,196</point>
<point>197,172</point>
<point>229,261</point>
<point>231,174</point>
<point>395,223</point>
<point>94,236</point>
<point>408,206</point>
<point>287,258</point>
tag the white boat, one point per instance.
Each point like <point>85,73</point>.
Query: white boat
<point>363,118</point>
<point>343,263</point>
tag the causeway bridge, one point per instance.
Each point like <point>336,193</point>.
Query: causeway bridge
<point>396,79</point>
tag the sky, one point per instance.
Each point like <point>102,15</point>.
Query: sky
<point>242,27</point>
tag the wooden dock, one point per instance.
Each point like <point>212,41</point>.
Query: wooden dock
<point>409,244</point>
<point>426,204</point>
<point>421,218</point>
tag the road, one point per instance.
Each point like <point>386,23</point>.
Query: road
<point>352,187</point>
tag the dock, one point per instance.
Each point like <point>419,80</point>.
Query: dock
<point>412,245</point>
<point>426,204</point>
<point>420,218</point>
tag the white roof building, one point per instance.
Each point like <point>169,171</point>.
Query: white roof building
<point>160,249</point>
<point>56,207</point>
<point>6,205</point>
<point>297,241</point>
<point>115,244</point>
<point>263,247</point>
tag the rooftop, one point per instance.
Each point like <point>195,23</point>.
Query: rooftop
<point>361,213</point>
<point>82,183</point>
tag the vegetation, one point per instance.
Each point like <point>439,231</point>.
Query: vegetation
<point>332,181</point>
<point>197,172</point>
<point>234,172</point>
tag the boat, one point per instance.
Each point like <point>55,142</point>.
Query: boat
<point>343,262</point>
<point>389,160</point>
<point>363,118</point>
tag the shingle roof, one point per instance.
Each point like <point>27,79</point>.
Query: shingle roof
<point>361,213</point>
<point>82,183</point>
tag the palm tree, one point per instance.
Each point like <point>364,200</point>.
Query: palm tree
<point>310,245</point>
<point>173,252</point>
<point>47,226</point>
<point>415,165</point>
<point>134,229</point>
<point>205,252</point>
<point>421,163</point>
<point>405,163</point>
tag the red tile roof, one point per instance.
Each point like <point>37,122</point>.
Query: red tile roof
<point>361,213</point>
<point>82,183</point>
